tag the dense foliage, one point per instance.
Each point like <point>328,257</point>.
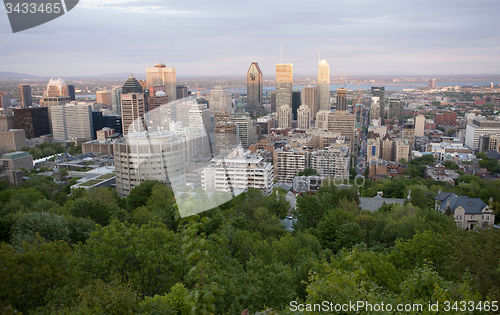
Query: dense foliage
<point>95,253</point>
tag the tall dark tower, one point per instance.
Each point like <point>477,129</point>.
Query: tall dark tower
<point>296,102</point>
<point>133,106</point>
<point>24,95</point>
<point>71,92</point>
<point>254,89</point>
<point>342,99</point>
<point>379,91</point>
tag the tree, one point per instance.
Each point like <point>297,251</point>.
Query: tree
<point>49,226</point>
<point>451,132</point>
<point>329,225</point>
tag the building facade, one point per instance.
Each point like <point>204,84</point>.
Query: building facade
<point>161,75</point>
<point>255,85</point>
<point>323,85</point>
<point>72,122</point>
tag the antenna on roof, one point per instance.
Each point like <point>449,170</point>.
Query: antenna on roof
<point>281,52</point>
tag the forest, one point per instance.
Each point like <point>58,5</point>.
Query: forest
<point>93,252</point>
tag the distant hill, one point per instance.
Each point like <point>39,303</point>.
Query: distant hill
<point>14,75</point>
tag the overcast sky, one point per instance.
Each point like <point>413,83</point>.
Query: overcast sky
<point>223,37</point>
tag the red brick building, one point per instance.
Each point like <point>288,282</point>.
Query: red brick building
<point>446,119</point>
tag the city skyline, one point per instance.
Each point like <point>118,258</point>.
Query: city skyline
<point>416,38</point>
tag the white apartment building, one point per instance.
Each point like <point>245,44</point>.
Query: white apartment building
<point>287,163</point>
<point>71,122</point>
<point>236,172</point>
<point>478,127</point>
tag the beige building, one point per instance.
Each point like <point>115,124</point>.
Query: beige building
<point>161,75</point>
<point>7,122</point>
<point>304,117</point>
<point>323,85</point>
<point>322,119</point>
<point>17,160</point>
<point>245,130</point>
<point>133,108</point>
<point>284,84</point>
<point>387,149</point>
<point>409,135</point>
<point>309,97</point>
<point>103,98</point>
<point>344,122</point>
<point>332,162</point>
<point>401,149</point>
<point>220,99</point>
<point>342,99</point>
<point>12,140</point>
<point>287,163</point>
<point>374,108</point>
<point>373,150</point>
<point>225,136</point>
<point>284,116</point>
<point>321,139</point>
<point>72,122</point>
<point>98,147</point>
<point>419,125</point>
<point>140,156</point>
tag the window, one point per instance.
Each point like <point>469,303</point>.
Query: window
<point>459,217</point>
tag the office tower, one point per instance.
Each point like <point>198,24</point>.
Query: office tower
<point>157,97</point>
<point>161,75</point>
<point>273,101</point>
<point>181,92</point>
<point>431,83</point>
<point>409,135</point>
<point>284,116</point>
<point>419,125</point>
<point>5,100</point>
<point>134,162</point>
<point>49,101</point>
<point>344,123</point>
<point>199,120</point>
<point>56,87</point>
<point>114,122</point>
<point>396,109</point>
<point>71,92</point>
<point>296,102</point>
<point>238,171</point>
<point>34,121</point>
<point>97,123</point>
<point>7,122</point>
<point>244,128</point>
<point>374,108</point>
<point>309,97</point>
<point>387,148</point>
<point>12,140</point>
<point>304,117</point>
<point>401,150</point>
<point>254,89</point>
<point>379,91</point>
<point>24,95</point>
<point>103,99</point>
<point>115,100</point>
<point>72,122</point>
<point>132,106</point>
<point>341,99</point>
<point>322,119</point>
<point>219,99</point>
<point>284,84</point>
<point>324,86</point>
<point>225,136</point>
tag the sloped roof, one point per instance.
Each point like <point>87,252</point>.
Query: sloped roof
<point>492,154</point>
<point>470,205</point>
<point>373,204</point>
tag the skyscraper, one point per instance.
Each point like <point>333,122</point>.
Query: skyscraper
<point>219,98</point>
<point>296,102</point>
<point>181,91</point>
<point>344,123</point>
<point>72,121</point>
<point>374,108</point>
<point>161,75</point>
<point>24,95</point>
<point>324,85</point>
<point>419,125</point>
<point>284,116</point>
<point>34,121</point>
<point>284,84</point>
<point>309,97</point>
<point>304,117</point>
<point>115,100</point>
<point>132,106</point>
<point>254,89</point>
<point>56,87</point>
<point>71,92</point>
<point>379,91</point>
<point>103,98</point>
<point>342,99</point>
<point>396,109</point>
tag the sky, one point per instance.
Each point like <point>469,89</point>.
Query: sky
<point>200,37</point>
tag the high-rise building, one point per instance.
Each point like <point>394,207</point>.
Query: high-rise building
<point>254,89</point>
<point>5,100</point>
<point>225,136</point>
<point>284,84</point>
<point>12,140</point>
<point>379,91</point>
<point>72,122</point>
<point>199,120</point>
<point>139,156</point>
<point>287,163</point>
<point>71,92</point>
<point>115,100</point>
<point>396,109</point>
<point>97,123</point>
<point>432,83</point>
<point>374,108</point>
<point>219,99</point>
<point>244,128</point>
<point>372,150</point>
<point>284,116</point>
<point>34,121</point>
<point>401,150</point>
<point>324,85</point>
<point>342,99</point>
<point>344,123</point>
<point>24,95</point>
<point>478,127</point>
<point>181,91</point>
<point>332,162</point>
<point>296,102</point>
<point>114,122</point>
<point>387,148</point>
<point>56,87</point>
<point>103,99</point>
<point>7,122</point>
<point>309,97</point>
<point>322,119</point>
<point>304,117</point>
<point>157,97</point>
<point>161,75</point>
<point>132,106</point>
<point>409,135</point>
<point>419,125</point>
<point>273,101</point>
